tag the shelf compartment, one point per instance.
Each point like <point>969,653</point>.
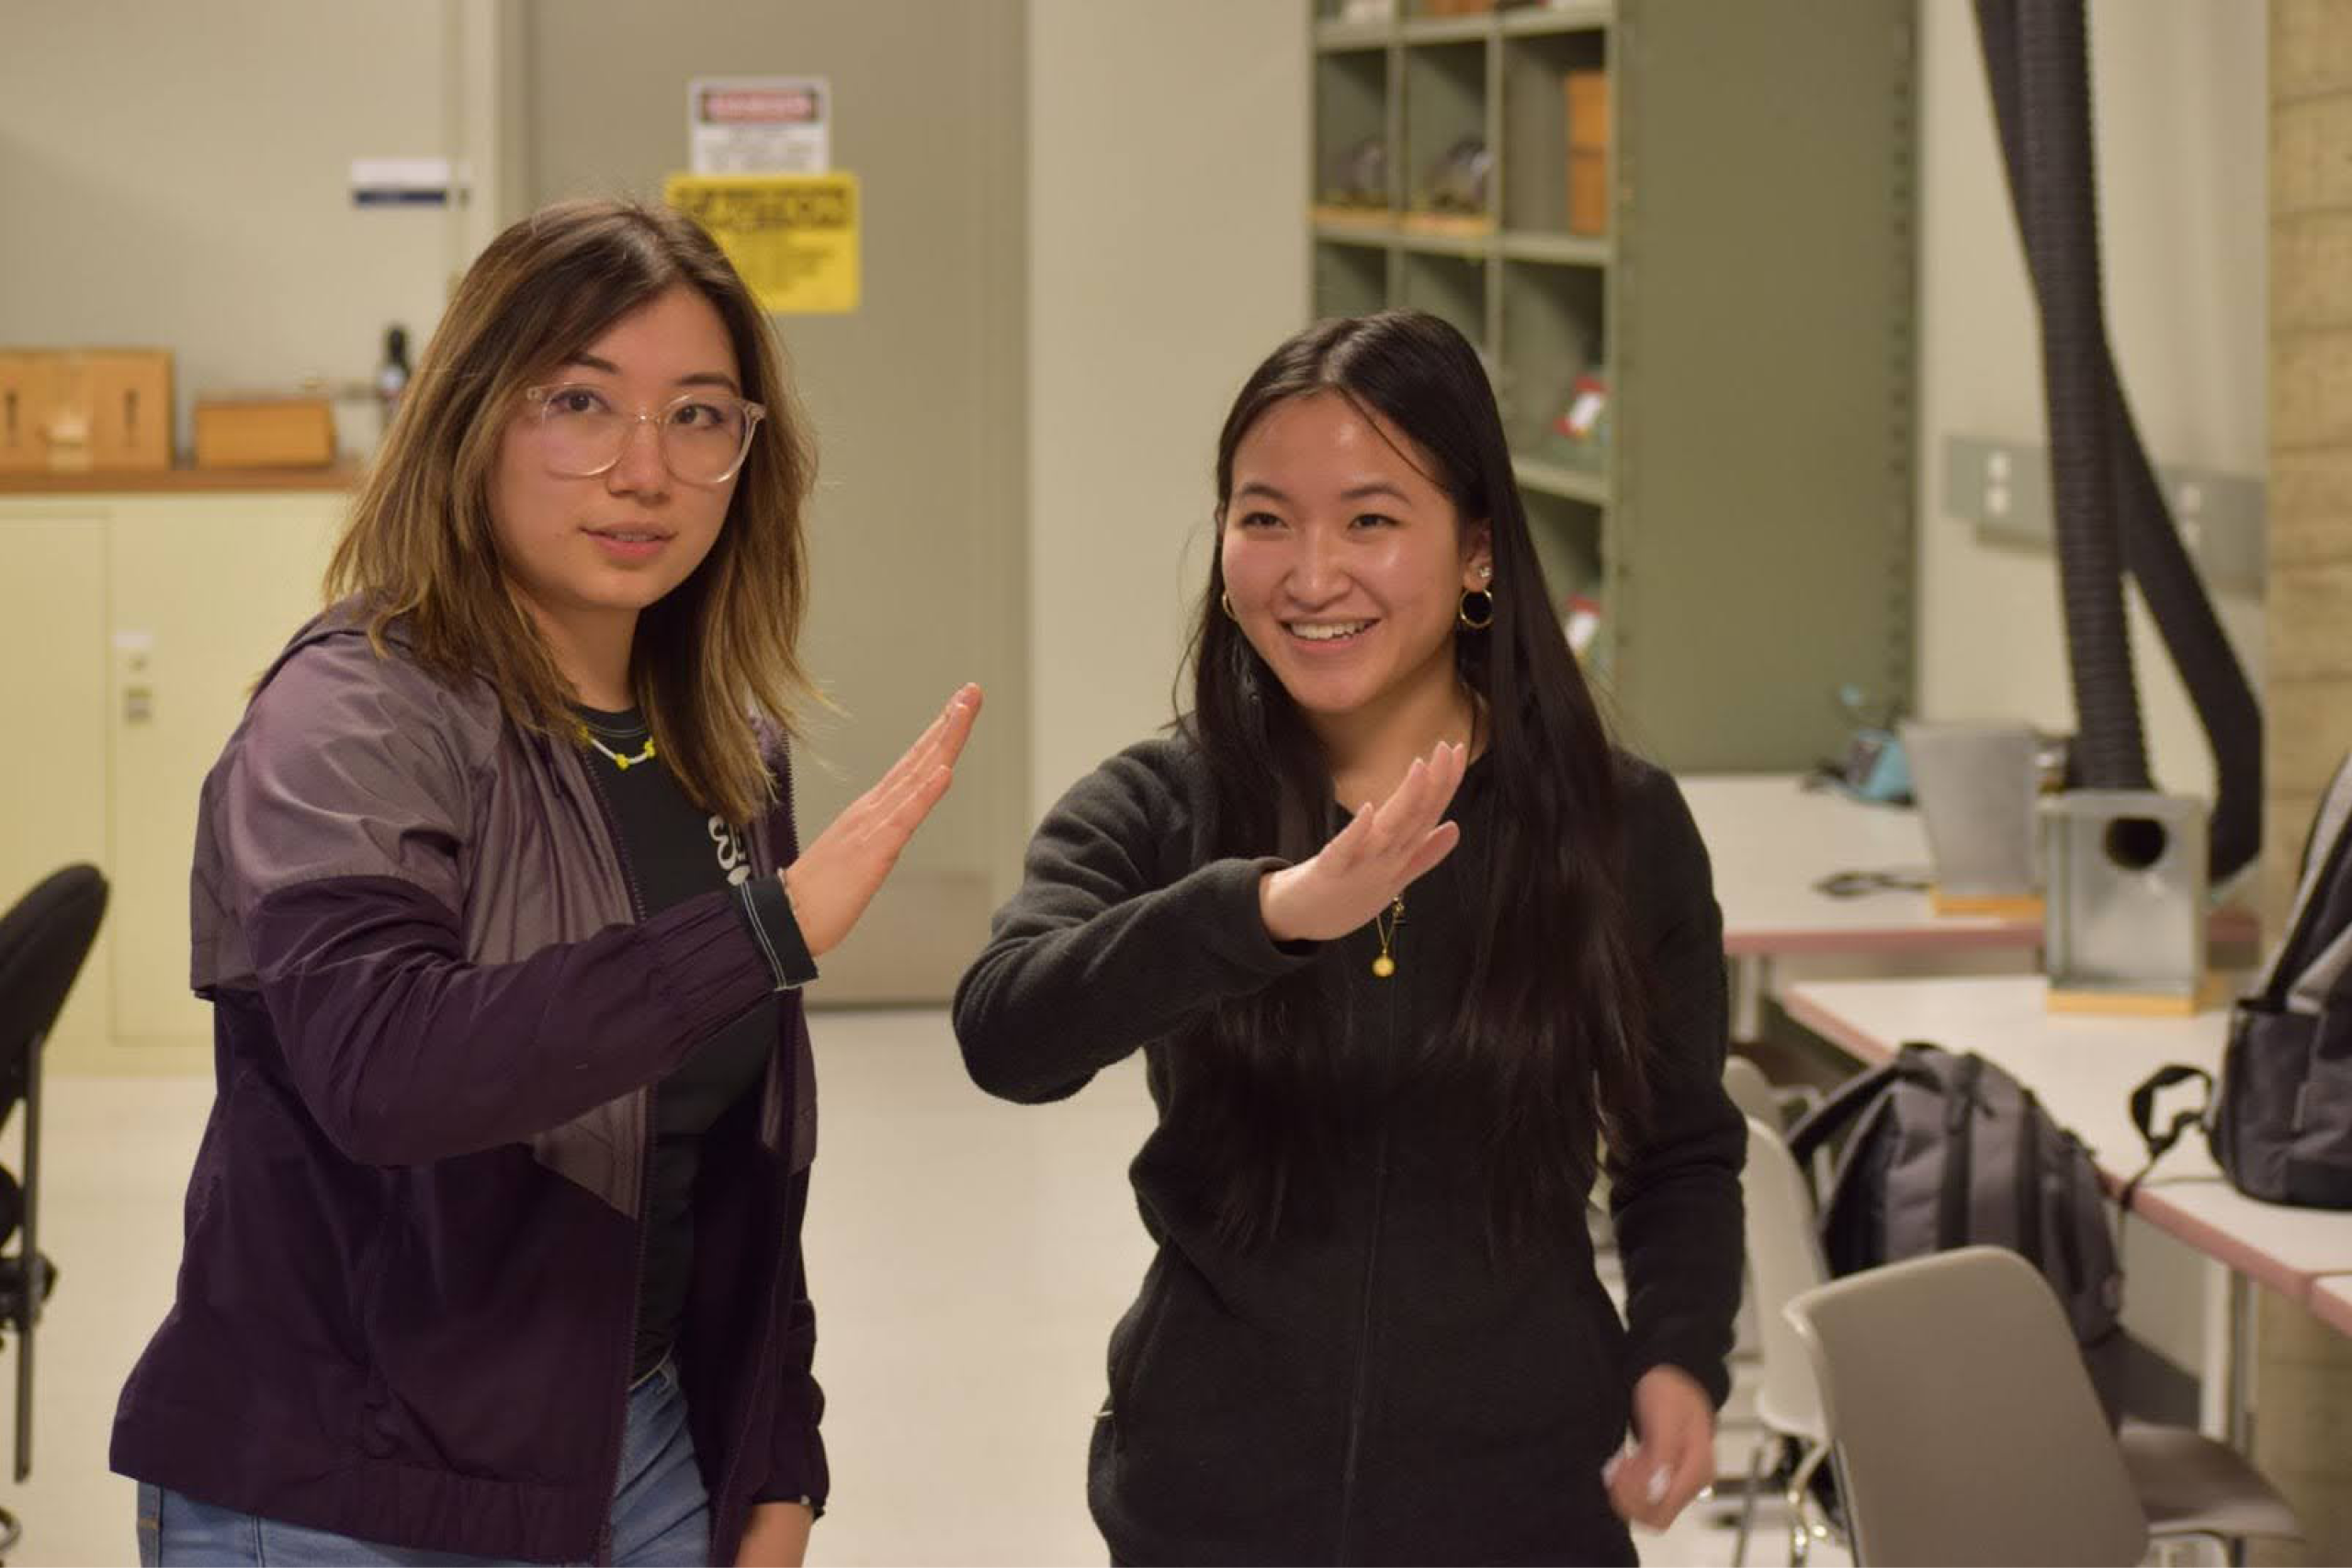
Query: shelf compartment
<point>1352,126</point>
<point>1554,331</point>
<point>1445,29</point>
<point>1466,240</point>
<point>1445,103</point>
<point>1337,31</point>
<point>1334,35</point>
<point>1558,17</point>
<point>1353,225</point>
<point>1349,279</point>
<point>1453,288</point>
<point>1566,534</point>
<point>1538,476</point>
<point>1564,250</point>
<point>1547,155</point>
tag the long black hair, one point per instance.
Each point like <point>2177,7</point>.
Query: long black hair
<point>1550,1033</point>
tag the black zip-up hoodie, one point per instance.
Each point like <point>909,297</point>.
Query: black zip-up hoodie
<point>1384,1390</point>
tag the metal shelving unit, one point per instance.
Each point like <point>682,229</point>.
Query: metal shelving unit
<point>1747,524</point>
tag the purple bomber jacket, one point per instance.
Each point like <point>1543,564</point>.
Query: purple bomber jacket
<point>407,1299</point>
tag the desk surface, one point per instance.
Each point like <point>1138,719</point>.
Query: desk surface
<point>1772,840</point>
<point>2084,1070</point>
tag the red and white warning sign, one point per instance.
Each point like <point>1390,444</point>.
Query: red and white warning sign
<point>760,125</point>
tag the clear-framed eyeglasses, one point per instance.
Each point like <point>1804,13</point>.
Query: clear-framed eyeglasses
<point>703,437</point>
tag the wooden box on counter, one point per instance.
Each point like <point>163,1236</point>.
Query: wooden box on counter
<point>263,432</point>
<point>70,411</point>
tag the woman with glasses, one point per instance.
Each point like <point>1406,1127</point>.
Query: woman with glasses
<point>492,1243</point>
<point>1404,940</point>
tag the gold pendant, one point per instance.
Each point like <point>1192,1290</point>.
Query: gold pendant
<point>1383,967</point>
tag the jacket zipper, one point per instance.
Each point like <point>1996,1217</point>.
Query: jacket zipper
<point>1361,1398</point>
<point>779,1067</point>
<point>644,1178</point>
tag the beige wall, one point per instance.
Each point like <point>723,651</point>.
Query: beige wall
<point>2178,91</point>
<point>178,176</point>
<point>1167,255</point>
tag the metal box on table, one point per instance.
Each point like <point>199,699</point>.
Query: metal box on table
<point>2126,922</point>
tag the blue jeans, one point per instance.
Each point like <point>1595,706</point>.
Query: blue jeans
<point>660,1515</point>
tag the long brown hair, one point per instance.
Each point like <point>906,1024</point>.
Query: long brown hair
<point>713,657</point>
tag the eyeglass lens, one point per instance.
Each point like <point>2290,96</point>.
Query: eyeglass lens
<point>702,437</point>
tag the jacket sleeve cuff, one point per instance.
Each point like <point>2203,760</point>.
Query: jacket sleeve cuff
<point>767,913</point>
<point>1237,935</point>
<point>1708,1372</point>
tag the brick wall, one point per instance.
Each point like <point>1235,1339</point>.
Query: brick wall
<point>2304,1431</point>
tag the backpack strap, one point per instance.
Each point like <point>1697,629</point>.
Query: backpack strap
<point>1830,1118</point>
<point>1952,1199</point>
<point>2144,1112</point>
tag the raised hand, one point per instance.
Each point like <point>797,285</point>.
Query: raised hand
<point>842,868</point>
<point>1372,860</point>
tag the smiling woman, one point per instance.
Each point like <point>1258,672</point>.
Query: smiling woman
<point>1404,939</point>
<point>493,1238</point>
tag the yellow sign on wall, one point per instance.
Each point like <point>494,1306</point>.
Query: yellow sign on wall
<point>793,237</point>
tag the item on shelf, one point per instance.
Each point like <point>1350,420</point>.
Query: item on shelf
<point>1580,620</point>
<point>263,432</point>
<point>1356,179</point>
<point>392,375</point>
<point>1367,10</point>
<point>1588,102</point>
<point>1456,8</point>
<point>85,409</point>
<point>1458,180</point>
<point>1586,419</point>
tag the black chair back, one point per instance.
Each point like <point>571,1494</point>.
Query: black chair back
<point>43,942</point>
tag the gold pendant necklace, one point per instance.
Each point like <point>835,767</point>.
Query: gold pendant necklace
<point>1384,926</point>
<point>623,763</point>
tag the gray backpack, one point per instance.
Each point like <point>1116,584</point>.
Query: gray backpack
<point>1949,1151</point>
<point>2280,1124</point>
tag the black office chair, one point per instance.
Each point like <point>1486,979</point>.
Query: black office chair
<point>43,942</point>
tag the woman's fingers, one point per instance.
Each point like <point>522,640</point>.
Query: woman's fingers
<point>963,710</point>
<point>1397,823</point>
<point>940,744</point>
<point>1419,803</point>
<point>942,740</point>
<point>1435,846</point>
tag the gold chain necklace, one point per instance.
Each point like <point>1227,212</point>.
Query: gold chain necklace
<point>623,763</point>
<point>1384,926</point>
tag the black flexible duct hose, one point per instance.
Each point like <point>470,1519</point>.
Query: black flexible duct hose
<point>2059,202</point>
<point>2039,71</point>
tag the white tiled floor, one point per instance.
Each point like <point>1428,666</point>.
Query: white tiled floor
<point>968,1259</point>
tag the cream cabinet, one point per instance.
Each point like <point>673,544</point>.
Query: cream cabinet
<point>132,628</point>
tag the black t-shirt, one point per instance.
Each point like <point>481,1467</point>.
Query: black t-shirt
<point>674,851</point>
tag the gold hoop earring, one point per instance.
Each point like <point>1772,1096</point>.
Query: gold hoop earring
<point>1485,616</point>
<point>1227,600</point>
